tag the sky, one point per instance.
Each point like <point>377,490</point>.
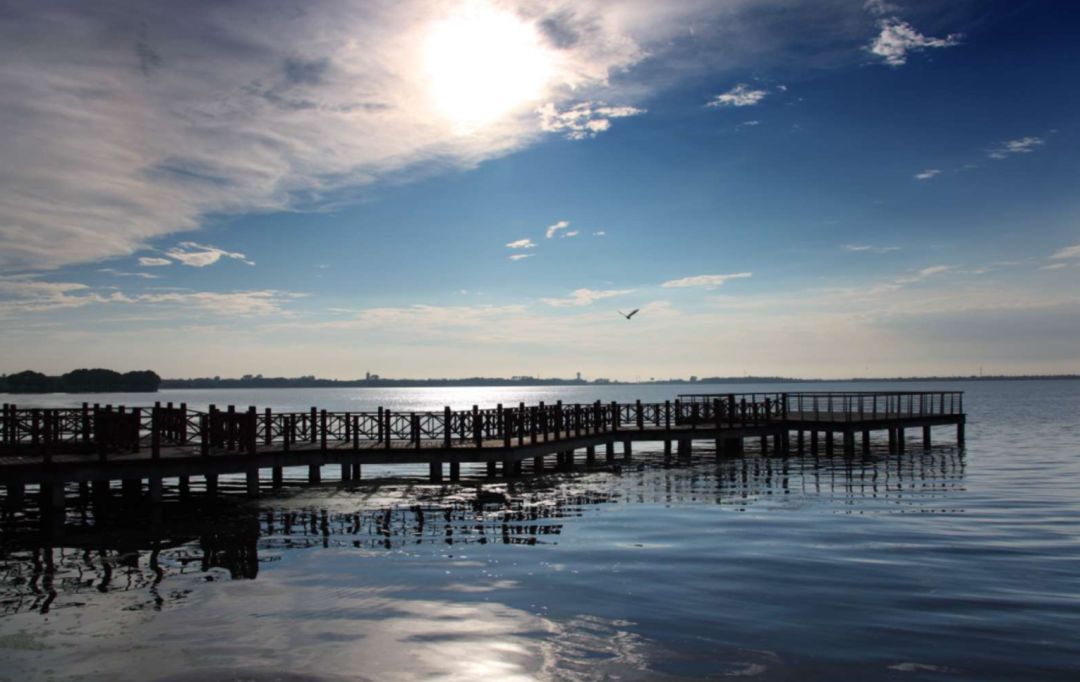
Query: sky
<point>809,188</point>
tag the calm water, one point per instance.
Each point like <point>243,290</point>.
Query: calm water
<point>929,565</point>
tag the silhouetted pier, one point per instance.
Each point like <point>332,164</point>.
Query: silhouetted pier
<point>97,444</point>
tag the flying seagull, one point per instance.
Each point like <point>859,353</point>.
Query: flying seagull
<point>629,314</point>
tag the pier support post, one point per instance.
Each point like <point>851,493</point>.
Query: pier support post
<point>866,442</point>
<point>101,491</point>
<point>960,434</point>
<point>684,448</point>
<point>800,441</point>
<point>508,467</point>
<point>131,489</point>
<point>627,450</point>
<point>538,465</point>
<point>435,472</point>
<point>829,442</point>
<point>926,437</point>
<point>892,439</point>
<point>764,445</point>
<point>491,469</point>
<point>667,450</point>
<point>314,474</point>
<point>277,477</point>
<point>590,455</point>
<point>346,473</point>
<point>356,471</point>
<point>211,484</point>
<point>52,497</point>
<point>455,471</point>
<point>813,442</point>
<point>849,443</point>
<point>609,451</point>
<point>900,445</point>
<point>16,492</point>
<point>184,487</point>
<point>252,480</point>
<point>777,443</point>
<point>155,489</point>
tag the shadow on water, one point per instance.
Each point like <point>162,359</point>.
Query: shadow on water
<point>117,542</point>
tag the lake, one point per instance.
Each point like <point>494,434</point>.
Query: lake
<point>935,564</point>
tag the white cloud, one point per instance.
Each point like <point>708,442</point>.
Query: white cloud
<point>150,262</point>
<point>867,248</point>
<point>570,233</point>
<point>583,297</point>
<point>1067,252</point>
<point>927,174</point>
<point>117,273</point>
<point>201,255</point>
<point>739,96</point>
<point>748,124</point>
<point>707,281</point>
<point>599,233</point>
<point>552,229</point>
<point>245,303</point>
<point>582,120</point>
<point>897,38</point>
<point>880,7</point>
<point>521,256</point>
<point>1023,145</point>
<point>521,244</point>
<point>1056,266</point>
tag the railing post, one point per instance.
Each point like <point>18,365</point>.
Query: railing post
<point>379,427</point>
<point>356,438</point>
<point>532,424</point>
<point>506,420</point>
<point>155,432</point>
<point>478,427</point>
<point>204,434</point>
<point>768,409</point>
<point>136,419</point>
<point>616,417</point>
<point>667,414</point>
<point>558,419</point>
<point>639,415</point>
<point>545,422</point>
<point>447,428</point>
<point>268,427</point>
<point>521,423</point>
<point>252,430</point>
<point>322,430</point>
<point>387,430</point>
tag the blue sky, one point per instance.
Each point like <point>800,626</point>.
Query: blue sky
<point>800,188</point>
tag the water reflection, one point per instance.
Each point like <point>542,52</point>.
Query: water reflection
<point>118,545</point>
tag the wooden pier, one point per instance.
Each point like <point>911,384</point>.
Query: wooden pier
<point>97,444</point>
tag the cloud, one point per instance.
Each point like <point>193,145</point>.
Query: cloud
<point>1023,145</point>
<point>707,281</point>
<point>184,113</point>
<point>150,262</point>
<point>1056,266</point>
<point>244,303</point>
<point>118,273</point>
<point>897,38</point>
<point>583,120</point>
<point>521,244</point>
<point>583,297</point>
<point>599,233</point>
<point>748,124</point>
<point>1067,252</point>
<point>552,229</point>
<point>927,174</point>
<point>521,256</point>
<point>200,255</point>
<point>869,249</point>
<point>880,7</point>
<point>739,96</point>
<point>570,233</point>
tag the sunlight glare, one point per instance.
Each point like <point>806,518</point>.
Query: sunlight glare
<point>482,64</point>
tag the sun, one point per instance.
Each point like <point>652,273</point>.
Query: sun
<point>482,64</point>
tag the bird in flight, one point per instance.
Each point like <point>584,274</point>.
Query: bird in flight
<point>629,314</point>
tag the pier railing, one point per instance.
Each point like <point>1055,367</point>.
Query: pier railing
<point>101,430</point>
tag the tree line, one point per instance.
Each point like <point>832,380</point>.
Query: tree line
<point>81,381</point>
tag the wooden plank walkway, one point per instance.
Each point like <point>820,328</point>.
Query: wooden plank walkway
<point>99,443</point>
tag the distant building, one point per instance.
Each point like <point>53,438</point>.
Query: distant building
<point>693,380</point>
<point>579,376</point>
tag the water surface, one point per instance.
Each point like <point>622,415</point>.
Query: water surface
<point>935,564</point>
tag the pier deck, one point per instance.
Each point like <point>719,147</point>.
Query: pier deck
<point>52,447</point>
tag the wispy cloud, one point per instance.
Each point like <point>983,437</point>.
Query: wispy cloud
<point>201,255</point>
<point>152,262</point>
<point>868,248</point>
<point>1067,253</point>
<point>119,273</point>
<point>742,95</point>
<point>582,121</point>
<point>706,281</point>
<point>927,174</point>
<point>1023,145</point>
<point>880,7</point>
<point>521,244</point>
<point>521,256</point>
<point>553,229</point>
<point>599,233</point>
<point>570,233</point>
<point>898,38</point>
<point>583,297</point>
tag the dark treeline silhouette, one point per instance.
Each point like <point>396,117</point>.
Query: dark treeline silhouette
<point>81,381</point>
